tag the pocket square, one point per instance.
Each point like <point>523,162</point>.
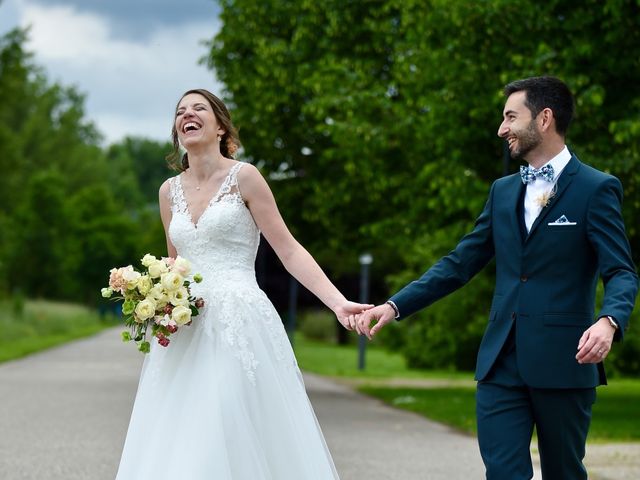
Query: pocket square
<point>562,221</point>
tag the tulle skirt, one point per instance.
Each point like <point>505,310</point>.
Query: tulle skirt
<point>225,401</point>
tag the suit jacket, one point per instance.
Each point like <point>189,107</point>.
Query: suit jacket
<point>546,280</point>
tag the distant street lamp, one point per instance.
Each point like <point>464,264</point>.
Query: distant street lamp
<point>365,260</point>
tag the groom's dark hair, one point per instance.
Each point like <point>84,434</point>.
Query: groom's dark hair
<point>546,92</point>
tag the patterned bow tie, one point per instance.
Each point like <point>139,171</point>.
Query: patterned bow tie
<point>529,174</point>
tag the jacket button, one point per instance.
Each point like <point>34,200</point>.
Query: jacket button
<point>523,278</point>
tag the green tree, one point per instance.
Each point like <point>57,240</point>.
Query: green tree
<point>379,119</point>
<point>69,210</point>
<point>45,257</point>
<point>138,169</point>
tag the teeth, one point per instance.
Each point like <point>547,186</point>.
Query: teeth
<point>189,125</point>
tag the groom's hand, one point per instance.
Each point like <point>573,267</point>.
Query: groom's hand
<point>382,315</point>
<point>595,343</point>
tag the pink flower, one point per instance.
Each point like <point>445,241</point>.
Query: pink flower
<point>117,281</point>
<point>172,328</point>
<point>168,309</point>
<point>169,261</point>
<point>162,340</point>
<point>199,303</point>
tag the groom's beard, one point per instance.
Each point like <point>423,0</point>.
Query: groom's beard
<point>527,141</point>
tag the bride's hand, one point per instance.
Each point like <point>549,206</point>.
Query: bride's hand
<point>347,313</point>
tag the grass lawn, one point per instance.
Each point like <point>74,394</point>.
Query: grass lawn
<point>342,361</point>
<point>616,414</point>
<point>43,324</point>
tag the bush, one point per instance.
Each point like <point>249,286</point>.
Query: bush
<point>447,334</point>
<point>624,358</point>
<point>318,325</point>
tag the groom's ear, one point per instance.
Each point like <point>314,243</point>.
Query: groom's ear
<point>546,120</point>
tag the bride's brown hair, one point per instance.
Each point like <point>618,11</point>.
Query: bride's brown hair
<point>229,143</point>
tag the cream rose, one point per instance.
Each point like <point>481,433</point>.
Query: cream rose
<point>158,295</point>
<point>179,297</point>
<point>148,259</point>
<point>171,281</point>
<point>157,268</point>
<point>181,315</point>
<point>145,310</point>
<point>145,284</point>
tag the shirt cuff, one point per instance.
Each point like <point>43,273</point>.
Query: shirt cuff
<point>395,308</point>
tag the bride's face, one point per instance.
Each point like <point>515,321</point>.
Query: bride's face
<point>195,121</point>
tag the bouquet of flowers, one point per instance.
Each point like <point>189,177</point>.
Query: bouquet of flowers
<point>159,297</point>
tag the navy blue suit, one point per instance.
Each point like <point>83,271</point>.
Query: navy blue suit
<point>543,302</point>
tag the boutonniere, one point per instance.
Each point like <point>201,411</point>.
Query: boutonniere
<point>544,199</point>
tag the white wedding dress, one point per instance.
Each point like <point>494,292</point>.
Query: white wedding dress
<point>225,400</point>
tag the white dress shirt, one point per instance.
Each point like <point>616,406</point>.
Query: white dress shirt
<point>539,190</point>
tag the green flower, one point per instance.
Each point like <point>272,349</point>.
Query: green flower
<point>128,307</point>
<point>126,336</point>
<point>197,278</point>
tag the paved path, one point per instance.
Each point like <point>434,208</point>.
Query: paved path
<point>64,415</point>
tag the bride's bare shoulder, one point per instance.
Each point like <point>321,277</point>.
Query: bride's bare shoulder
<point>249,174</point>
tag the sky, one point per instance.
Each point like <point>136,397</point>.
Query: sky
<point>132,59</point>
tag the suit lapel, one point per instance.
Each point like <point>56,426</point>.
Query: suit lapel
<point>563,182</point>
<point>516,197</point>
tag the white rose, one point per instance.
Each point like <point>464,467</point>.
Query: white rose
<point>130,276</point>
<point>179,297</point>
<point>157,268</point>
<point>145,310</point>
<point>158,295</point>
<point>171,281</point>
<point>181,266</point>
<point>181,315</point>
<point>148,260</point>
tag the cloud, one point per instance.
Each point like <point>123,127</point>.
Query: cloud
<point>131,85</point>
<point>136,19</point>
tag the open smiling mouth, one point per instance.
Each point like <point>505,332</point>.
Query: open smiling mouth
<point>190,127</point>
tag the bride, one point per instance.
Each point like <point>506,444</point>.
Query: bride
<point>225,400</point>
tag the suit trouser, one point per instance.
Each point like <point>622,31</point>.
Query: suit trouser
<point>507,411</point>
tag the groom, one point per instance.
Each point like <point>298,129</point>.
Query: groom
<point>553,230</point>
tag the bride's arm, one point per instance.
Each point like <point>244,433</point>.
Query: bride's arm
<point>165,215</point>
<point>294,257</point>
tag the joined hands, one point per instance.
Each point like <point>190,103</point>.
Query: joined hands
<point>361,321</point>
<point>347,313</point>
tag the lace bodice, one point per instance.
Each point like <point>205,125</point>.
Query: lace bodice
<point>224,241</point>
<point>222,247</point>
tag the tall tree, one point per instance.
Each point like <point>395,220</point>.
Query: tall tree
<point>62,222</point>
<point>379,119</point>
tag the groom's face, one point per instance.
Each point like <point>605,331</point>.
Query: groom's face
<point>518,127</point>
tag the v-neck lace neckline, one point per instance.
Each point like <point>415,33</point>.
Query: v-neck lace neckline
<point>224,188</point>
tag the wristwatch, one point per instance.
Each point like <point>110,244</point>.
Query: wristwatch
<point>612,322</point>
